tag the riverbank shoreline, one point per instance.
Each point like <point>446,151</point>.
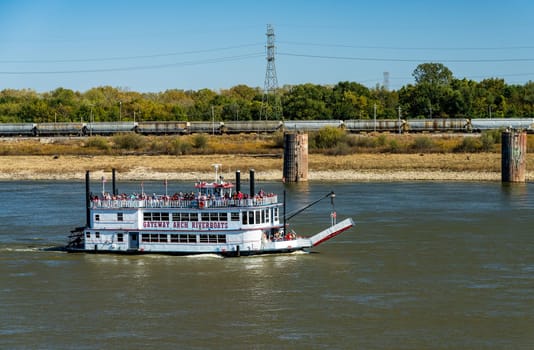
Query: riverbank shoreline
<point>350,168</point>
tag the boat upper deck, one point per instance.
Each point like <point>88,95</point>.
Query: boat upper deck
<point>176,201</point>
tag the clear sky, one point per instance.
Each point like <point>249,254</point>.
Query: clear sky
<point>151,46</point>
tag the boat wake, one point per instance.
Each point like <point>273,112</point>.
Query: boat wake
<point>21,249</point>
<point>204,256</point>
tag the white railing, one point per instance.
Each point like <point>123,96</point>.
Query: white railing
<point>171,203</point>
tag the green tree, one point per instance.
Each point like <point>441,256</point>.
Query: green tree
<point>307,101</point>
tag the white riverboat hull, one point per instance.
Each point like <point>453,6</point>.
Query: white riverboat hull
<point>237,244</point>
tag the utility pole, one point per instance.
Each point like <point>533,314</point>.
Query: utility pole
<point>374,115</point>
<point>400,127</point>
<point>212,121</point>
<point>271,106</point>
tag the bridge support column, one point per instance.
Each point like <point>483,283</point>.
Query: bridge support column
<point>295,157</point>
<point>514,156</point>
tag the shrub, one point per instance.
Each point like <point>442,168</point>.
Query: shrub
<point>422,143</point>
<point>361,141</point>
<point>278,140</point>
<point>489,138</point>
<point>200,141</point>
<point>340,150</point>
<point>98,143</point>
<point>469,144</point>
<point>329,137</point>
<point>393,146</point>
<point>129,141</point>
<point>381,140</point>
<point>177,147</point>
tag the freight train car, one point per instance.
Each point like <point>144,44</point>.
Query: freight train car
<point>18,129</point>
<point>437,125</point>
<point>60,129</point>
<point>251,126</point>
<point>379,125</point>
<point>478,125</point>
<point>205,127</point>
<point>109,128</point>
<point>162,128</point>
<point>311,125</point>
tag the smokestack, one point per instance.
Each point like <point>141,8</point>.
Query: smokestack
<point>252,191</point>
<point>238,181</point>
<point>114,187</point>
<point>87,199</point>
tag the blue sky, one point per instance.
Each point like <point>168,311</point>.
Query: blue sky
<point>152,46</point>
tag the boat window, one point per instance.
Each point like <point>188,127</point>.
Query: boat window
<point>275,214</point>
<point>174,238</point>
<point>163,238</point>
<point>205,217</point>
<point>262,216</point>
<point>120,237</point>
<point>234,216</point>
<point>176,217</point>
<point>192,238</point>
<point>88,234</point>
<point>214,216</point>
<point>193,217</point>
<point>145,237</point>
<point>251,217</point>
<point>212,238</point>
<point>97,234</point>
<point>223,216</point>
<point>258,216</point>
<point>155,216</point>
<point>120,217</point>
<point>245,218</point>
<point>97,217</point>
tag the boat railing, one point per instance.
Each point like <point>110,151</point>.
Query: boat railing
<point>201,203</point>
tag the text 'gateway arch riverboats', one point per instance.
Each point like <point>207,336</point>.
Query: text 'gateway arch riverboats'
<point>214,218</point>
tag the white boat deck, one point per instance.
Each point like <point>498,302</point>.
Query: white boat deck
<point>173,202</point>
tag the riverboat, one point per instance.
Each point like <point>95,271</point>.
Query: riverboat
<point>214,218</point>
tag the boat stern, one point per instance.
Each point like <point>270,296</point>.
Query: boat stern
<point>331,232</point>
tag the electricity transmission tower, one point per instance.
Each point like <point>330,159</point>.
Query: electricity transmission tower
<point>271,106</point>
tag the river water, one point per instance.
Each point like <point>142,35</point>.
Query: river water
<point>428,266</point>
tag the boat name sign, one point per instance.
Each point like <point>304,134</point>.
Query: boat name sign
<point>185,225</point>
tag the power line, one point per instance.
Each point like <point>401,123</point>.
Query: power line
<point>411,60</point>
<point>132,68</point>
<point>122,58</point>
<point>495,48</point>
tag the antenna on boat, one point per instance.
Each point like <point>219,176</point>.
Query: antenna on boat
<point>216,166</point>
<point>333,215</point>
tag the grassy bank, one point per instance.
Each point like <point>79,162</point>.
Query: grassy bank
<point>352,157</point>
<point>356,167</point>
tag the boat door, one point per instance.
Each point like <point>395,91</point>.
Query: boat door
<point>133,241</point>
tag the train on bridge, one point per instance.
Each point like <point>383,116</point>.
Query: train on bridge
<point>441,125</point>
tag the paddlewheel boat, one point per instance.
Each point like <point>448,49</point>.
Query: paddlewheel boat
<point>215,218</point>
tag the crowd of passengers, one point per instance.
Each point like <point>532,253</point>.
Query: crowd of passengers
<point>188,196</point>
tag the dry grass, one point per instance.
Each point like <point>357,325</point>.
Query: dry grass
<point>480,166</point>
<point>62,159</point>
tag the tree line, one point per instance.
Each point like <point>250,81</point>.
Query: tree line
<point>436,93</point>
